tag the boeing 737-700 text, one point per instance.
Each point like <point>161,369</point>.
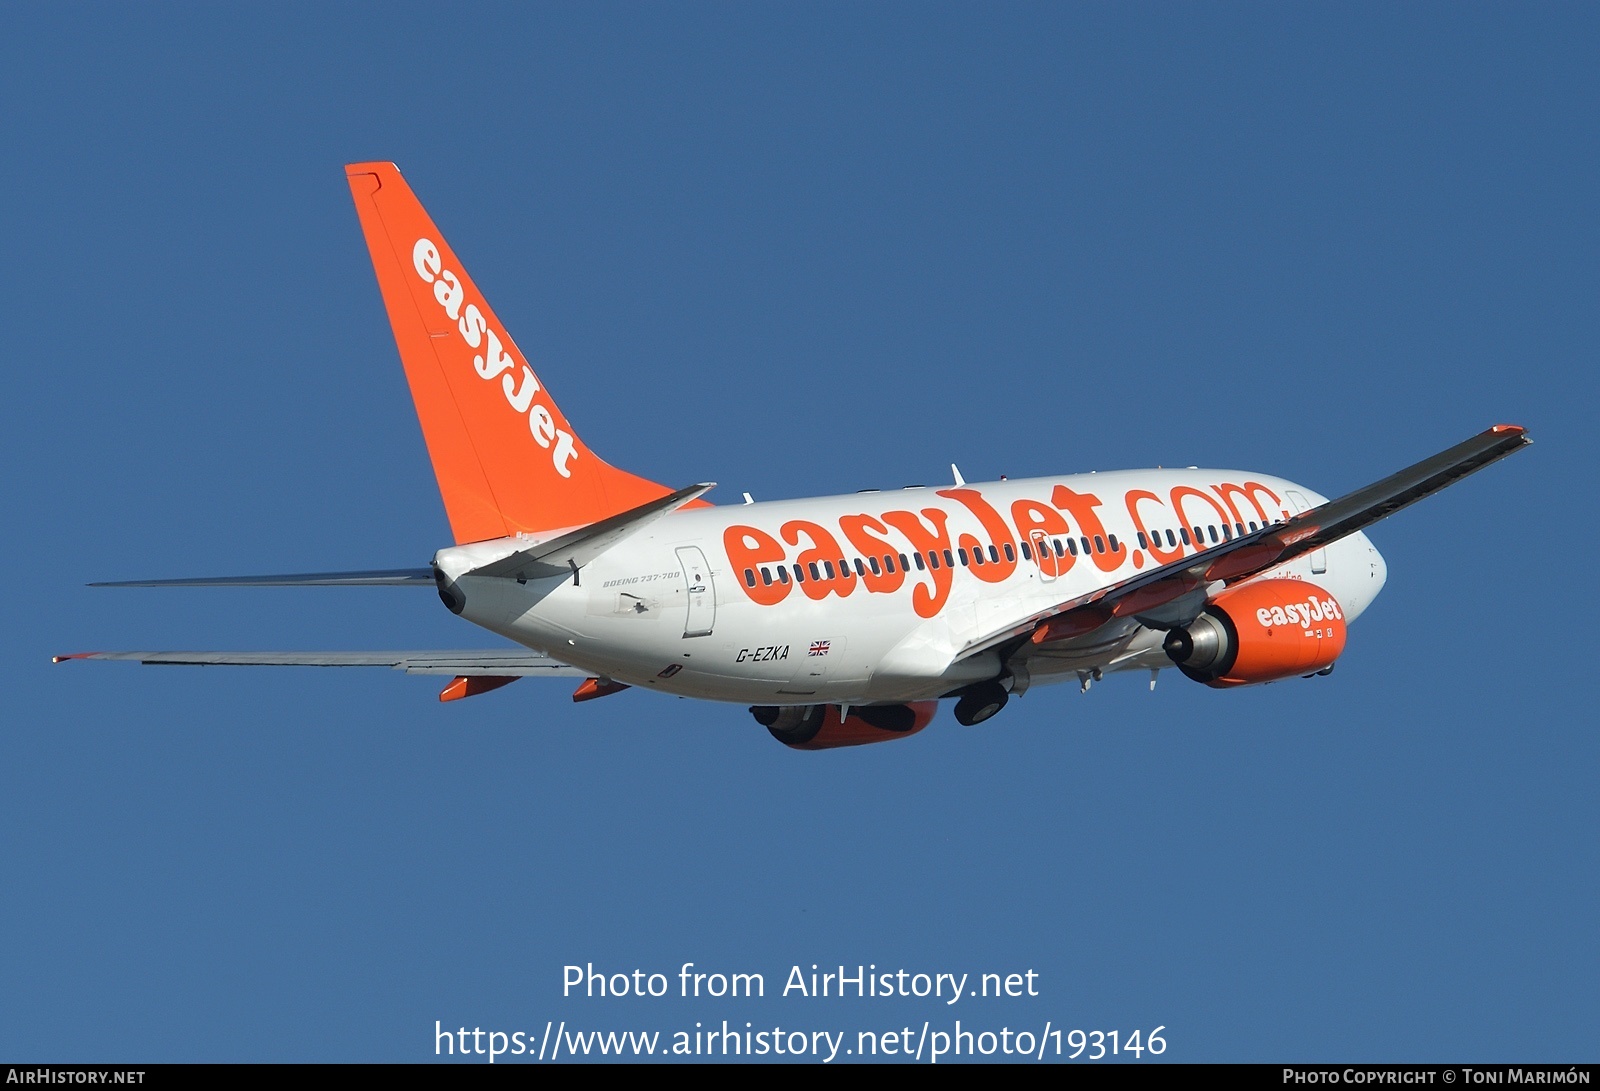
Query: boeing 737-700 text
<point>843,619</point>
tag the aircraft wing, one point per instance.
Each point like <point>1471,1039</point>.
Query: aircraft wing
<point>1176,593</point>
<point>466,663</point>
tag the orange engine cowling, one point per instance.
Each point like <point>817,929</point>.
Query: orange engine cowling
<point>1260,632</point>
<point>820,727</point>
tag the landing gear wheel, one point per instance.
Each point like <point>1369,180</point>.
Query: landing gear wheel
<point>980,703</point>
<point>792,726</point>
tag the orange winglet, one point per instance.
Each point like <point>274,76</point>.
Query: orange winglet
<point>590,688</point>
<point>472,685</point>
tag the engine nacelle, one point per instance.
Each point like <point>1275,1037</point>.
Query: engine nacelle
<point>820,727</point>
<point>1260,632</point>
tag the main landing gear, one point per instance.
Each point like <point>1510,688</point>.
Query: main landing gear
<point>978,703</point>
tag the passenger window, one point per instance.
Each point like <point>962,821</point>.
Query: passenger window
<point>1212,530</point>
<point>918,558</point>
<point>1252,527</point>
<point>933,560</point>
<point>861,568</point>
<point>949,561</point>
<point>872,563</point>
<point>1112,538</point>
<point>963,555</point>
<point>1239,527</point>
<point>827,566</point>
<point>1183,532</point>
<point>1084,541</point>
<point>799,574</point>
<point>750,577</point>
<point>1172,541</point>
<point>766,576</point>
<point>814,573</point>
<point>1143,544</point>
<point>1027,554</point>
<point>1227,533</point>
<point>1072,546</point>
<point>1010,555</point>
<point>1099,544</point>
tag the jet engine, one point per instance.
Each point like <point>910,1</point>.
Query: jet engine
<point>1260,632</point>
<point>820,727</point>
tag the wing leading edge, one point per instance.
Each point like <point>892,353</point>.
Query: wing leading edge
<point>1181,584</point>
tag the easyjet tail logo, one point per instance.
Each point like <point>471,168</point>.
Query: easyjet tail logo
<point>494,362</point>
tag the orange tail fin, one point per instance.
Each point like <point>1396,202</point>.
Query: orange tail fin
<point>506,458</point>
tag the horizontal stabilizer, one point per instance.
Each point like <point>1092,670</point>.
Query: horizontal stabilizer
<point>577,548</point>
<point>382,577</point>
<point>469,662</point>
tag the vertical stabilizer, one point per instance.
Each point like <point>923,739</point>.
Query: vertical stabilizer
<point>506,458</point>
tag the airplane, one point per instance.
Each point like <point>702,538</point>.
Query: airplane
<point>840,620</point>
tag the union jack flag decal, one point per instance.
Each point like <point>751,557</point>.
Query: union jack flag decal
<point>820,647</point>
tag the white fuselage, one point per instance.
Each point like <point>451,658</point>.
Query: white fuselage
<point>695,604</point>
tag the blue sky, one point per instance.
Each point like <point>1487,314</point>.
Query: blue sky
<point>796,250</point>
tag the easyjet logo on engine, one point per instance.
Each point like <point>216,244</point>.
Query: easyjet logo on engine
<point>494,362</point>
<point>1303,614</point>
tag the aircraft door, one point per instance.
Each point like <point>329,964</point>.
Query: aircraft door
<point>702,595</point>
<point>1319,557</point>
